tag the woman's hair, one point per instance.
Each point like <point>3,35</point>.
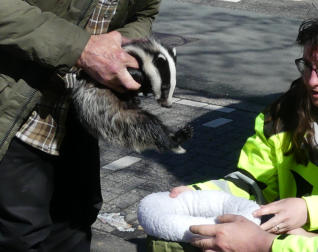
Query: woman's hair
<point>308,34</point>
<point>294,111</point>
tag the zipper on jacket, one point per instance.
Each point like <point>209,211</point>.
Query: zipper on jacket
<point>84,12</point>
<point>16,118</point>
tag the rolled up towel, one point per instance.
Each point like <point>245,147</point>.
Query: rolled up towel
<point>170,218</point>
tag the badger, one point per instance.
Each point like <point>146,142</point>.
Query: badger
<point>118,118</point>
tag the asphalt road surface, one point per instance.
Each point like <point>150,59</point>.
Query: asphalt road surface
<point>299,9</point>
<point>243,50</point>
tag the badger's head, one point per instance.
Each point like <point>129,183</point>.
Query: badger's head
<point>158,64</point>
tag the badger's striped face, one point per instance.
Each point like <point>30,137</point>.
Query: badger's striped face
<point>159,65</point>
<point>165,63</point>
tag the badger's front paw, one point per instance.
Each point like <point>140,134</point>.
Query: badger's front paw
<point>183,134</point>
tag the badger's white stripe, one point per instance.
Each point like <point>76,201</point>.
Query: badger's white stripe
<point>149,68</point>
<point>173,71</point>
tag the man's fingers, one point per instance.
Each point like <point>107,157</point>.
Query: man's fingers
<point>229,218</point>
<point>206,244</point>
<point>114,86</point>
<point>130,61</point>
<point>127,80</point>
<point>121,80</point>
<point>205,230</point>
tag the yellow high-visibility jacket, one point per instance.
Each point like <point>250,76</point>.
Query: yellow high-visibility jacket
<point>265,174</point>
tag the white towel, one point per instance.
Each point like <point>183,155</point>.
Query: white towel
<point>170,218</point>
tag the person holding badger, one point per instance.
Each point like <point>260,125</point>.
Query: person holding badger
<point>278,167</point>
<point>49,165</point>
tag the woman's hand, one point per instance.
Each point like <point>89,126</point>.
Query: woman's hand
<point>301,231</point>
<point>289,214</point>
<point>179,189</point>
<point>234,233</point>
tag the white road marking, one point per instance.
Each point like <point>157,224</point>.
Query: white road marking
<point>220,108</point>
<point>203,105</point>
<point>234,1</point>
<point>121,163</point>
<point>192,103</point>
<point>217,122</point>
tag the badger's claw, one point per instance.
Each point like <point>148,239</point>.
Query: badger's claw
<point>178,150</point>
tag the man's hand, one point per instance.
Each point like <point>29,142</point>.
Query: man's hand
<point>234,233</point>
<point>289,214</point>
<point>106,62</point>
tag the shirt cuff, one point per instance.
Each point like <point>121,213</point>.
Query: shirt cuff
<point>296,243</point>
<point>312,206</point>
<point>72,78</point>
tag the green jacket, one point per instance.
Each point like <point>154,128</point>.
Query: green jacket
<point>263,163</point>
<point>39,38</point>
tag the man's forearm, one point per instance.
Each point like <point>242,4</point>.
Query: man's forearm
<point>39,36</point>
<point>140,25</point>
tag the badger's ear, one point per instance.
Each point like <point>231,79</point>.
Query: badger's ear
<point>173,53</point>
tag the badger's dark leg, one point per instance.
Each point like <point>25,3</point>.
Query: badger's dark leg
<point>183,134</point>
<point>114,120</point>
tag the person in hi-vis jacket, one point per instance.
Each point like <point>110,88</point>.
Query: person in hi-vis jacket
<point>278,167</point>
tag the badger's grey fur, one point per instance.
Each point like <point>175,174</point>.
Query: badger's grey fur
<point>117,118</point>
